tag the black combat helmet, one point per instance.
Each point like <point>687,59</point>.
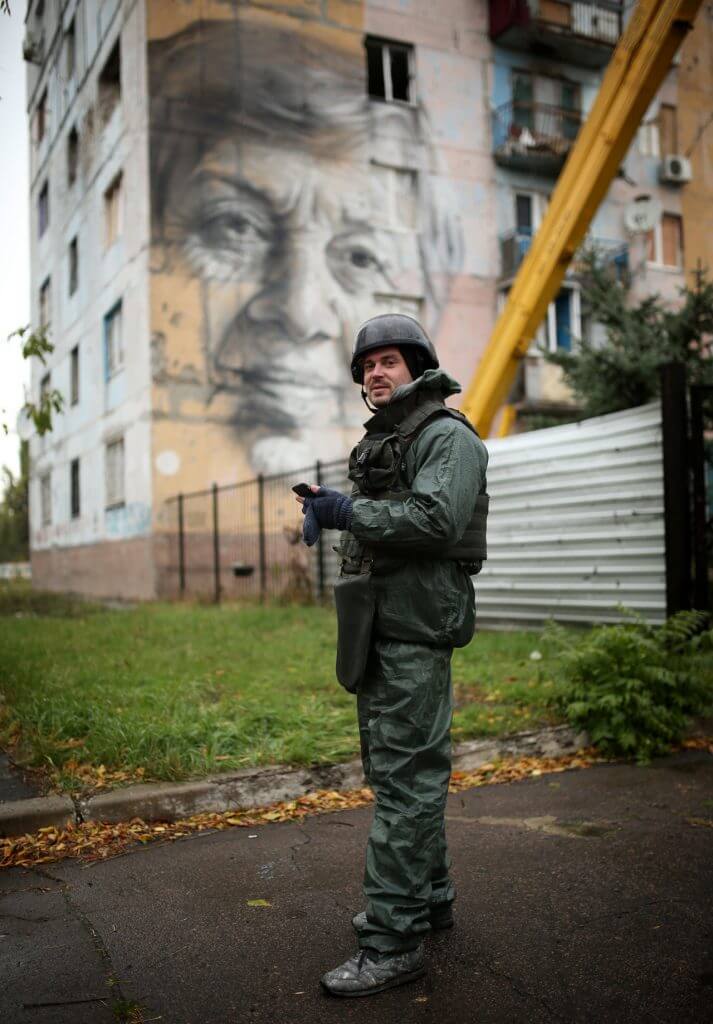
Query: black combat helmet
<point>394,329</point>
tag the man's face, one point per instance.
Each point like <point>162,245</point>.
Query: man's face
<point>291,255</point>
<point>384,370</point>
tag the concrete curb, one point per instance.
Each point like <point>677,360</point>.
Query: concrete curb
<point>254,787</point>
<point>21,816</point>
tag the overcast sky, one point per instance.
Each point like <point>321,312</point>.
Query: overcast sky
<point>14,227</point>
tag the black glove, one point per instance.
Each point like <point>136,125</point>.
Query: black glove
<point>328,510</point>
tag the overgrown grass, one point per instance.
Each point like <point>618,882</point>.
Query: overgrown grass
<point>180,691</point>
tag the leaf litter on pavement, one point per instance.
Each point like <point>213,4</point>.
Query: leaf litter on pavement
<point>97,841</point>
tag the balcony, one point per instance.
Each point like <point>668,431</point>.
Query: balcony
<point>577,33</point>
<point>515,245</point>
<point>534,137</point>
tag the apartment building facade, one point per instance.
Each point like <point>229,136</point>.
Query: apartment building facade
<point>221,193</point>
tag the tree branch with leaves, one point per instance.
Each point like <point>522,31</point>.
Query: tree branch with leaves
<point>623,372</point>
<point>37,344</point>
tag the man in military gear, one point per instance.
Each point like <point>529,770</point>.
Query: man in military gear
<point>414,534</point>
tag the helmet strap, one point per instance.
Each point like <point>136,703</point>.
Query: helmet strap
<point>365,400</point>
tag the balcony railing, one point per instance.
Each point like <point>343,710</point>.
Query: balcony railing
<point>533,136</point>
<point>582,32</point>
<point>515,245</point>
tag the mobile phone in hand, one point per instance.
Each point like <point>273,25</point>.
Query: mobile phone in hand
<point>303,490</point>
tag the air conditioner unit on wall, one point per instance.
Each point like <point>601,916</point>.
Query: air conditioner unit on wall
<point>675,169</point>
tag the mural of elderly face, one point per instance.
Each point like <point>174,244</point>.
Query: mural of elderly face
<point>264,189</point>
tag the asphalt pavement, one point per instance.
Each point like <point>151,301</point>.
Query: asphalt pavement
<point>583,896</point>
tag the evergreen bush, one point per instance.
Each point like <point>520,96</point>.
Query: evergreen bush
<point>632,687</point>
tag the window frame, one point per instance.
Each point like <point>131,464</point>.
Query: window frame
<point>70,50</point>
<point>117,310</point>
<point>75,499</point>
<point>114,210</point>
<point>545,338</point>
<point>46,498</point>
<point>110,89</point>
<point>43,208</point>
<point>73,266</point>
<point>655,236</point>
<point>45,303</point>
<point>672,110</point>
<point>74,375</point>
<point>41,117</point>
<point>72,155</point>
<point>386,45</point>
<point>112,501</point>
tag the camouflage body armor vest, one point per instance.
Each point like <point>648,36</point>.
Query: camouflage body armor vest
<point>377,468</point>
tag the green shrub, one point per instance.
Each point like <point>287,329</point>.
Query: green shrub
<point>632,687</point>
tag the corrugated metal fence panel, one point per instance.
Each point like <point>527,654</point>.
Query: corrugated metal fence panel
<point>576,523</point>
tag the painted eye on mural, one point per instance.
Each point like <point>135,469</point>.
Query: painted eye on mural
<point>354,264</point>
<point>362,259</point>
<point>222,229</point>
<point>225,241</point>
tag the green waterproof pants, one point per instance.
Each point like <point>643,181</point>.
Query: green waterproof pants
<point>405,706</point>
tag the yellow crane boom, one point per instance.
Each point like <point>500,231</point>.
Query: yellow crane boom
<point>635,72</point>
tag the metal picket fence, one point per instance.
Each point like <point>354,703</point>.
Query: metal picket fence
<point>243,539</point>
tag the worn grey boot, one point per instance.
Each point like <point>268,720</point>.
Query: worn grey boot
<point>439,919</point>
<point>369,972</point>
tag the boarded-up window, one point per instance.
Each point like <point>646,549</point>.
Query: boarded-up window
<point>671,240</point>
<point>115,473</point>
<point>113,211</point>
<point>668,130</point>
<point>396,195</point>
<point>556,12</point>
<point>664,244</point>
<point>410,305</point>
<point>651,246</point>
<point>46,499</point>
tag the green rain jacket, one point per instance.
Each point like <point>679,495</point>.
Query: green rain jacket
<point>425,600</point>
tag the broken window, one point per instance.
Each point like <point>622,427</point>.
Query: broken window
<point>73,266</point>
<point>72,156</point>
<point>70,51</point>
<point>45,303</point>
<point>41,118</point>
<point>110,83</point>
<point>74,375</point>
<point>74,499</point>
<point>43,209</point>
<point>389,68</point>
